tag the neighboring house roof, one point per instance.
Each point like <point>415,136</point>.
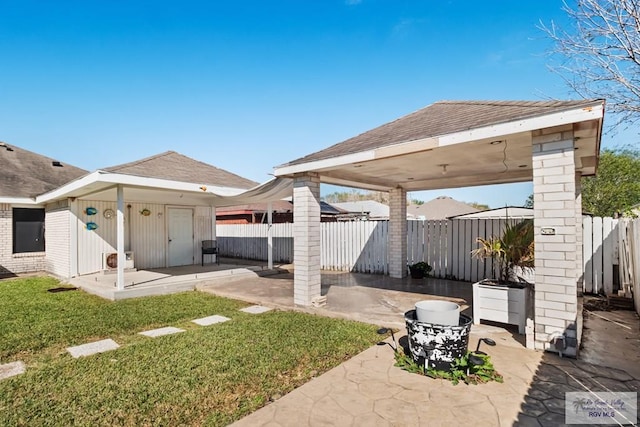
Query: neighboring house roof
<point>442,118</point>
<point>373,208</point>
<point>280,206</point>
<point>27,174</point>
<point>177,167</point>
<point>441,207</point>
<point>507,211</point>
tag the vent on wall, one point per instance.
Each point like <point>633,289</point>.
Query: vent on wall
<point>110,261</point>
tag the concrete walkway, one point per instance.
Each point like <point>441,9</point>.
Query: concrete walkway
<point>368,390</point>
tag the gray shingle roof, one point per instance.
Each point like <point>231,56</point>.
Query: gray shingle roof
<point>441,207</point>
<point>443,118</point>
<point>177,167</point>
<point>27,174</point>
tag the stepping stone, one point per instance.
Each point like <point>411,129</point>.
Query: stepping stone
<point>93,348</point>
<point>255,309</point>
<point>206,321</point>
<point>12,369</point>
<point>153,333</point>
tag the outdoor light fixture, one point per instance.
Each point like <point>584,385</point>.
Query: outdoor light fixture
<point>487,341</point>
<point>444,168</point>
<point>384,331</point>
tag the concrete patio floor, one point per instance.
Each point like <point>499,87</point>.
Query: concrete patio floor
<point>162,281</point>
<point>369,390</point>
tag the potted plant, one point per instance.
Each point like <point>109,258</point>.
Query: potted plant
<point>419,270</point>
<point>504,298</point>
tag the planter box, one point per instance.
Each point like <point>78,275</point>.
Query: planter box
<point>500,304</point>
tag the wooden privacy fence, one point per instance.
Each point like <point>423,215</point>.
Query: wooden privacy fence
<point>361,246</point>
<point>629,255</point>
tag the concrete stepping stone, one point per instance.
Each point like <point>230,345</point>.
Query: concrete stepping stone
<point>93,348</point>
<point>12,369</point>
<point>256,309</point>
<point>211,320</point>
<point>153,333</point>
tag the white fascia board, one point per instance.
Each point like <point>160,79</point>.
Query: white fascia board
<point>17,201</point>
<point>134,181</point>
<point>325,163</point>
<point>61,192</point>
<point>525,125</point>
<point>595,112</point>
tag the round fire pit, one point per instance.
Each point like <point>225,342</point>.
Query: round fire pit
<point>437,346</point>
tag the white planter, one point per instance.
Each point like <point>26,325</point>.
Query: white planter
<point>500,304</point>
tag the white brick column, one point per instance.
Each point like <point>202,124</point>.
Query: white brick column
<point>397,233</point>
<point>306,238</point>
<point>555,203</point>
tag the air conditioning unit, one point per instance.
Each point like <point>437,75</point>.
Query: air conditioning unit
<point>110,261</point>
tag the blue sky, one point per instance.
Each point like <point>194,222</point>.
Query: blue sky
<point>250,85</point>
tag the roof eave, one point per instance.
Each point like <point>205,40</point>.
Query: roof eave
<point>111,179</point>
<point>592,111</point>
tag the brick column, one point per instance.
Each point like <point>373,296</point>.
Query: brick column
<point>306,239</point>
<point>555,203</point>
<point>397,233</point>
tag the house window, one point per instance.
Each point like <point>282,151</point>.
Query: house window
<point>28,230</point>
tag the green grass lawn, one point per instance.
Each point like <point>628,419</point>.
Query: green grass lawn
<point>205,376</point>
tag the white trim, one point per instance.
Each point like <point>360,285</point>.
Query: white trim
<point>18,201</point>
<point>325,163</point>
<point>594,112</point>
<point>526,125</point>
<point>99,177</point>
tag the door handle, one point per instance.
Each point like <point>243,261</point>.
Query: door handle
<point>169,240</point>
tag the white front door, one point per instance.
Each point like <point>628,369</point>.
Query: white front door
<point>180,237</point>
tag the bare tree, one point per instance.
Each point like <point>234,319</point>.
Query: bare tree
<point>599,55</point>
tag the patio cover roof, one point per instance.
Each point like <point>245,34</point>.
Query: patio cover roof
<point>455,144</point>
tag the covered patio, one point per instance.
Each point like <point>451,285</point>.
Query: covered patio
<point>468,143</point>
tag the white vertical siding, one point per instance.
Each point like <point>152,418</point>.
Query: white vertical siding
<point>146,236</point>
<point>57,242</point>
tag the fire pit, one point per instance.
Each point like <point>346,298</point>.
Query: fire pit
<point>437,346</point>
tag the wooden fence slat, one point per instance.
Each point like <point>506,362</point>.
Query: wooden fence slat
<point>587,253</point>
<point>446,245</point>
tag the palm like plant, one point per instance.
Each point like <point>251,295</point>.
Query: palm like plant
<point>514,249</point>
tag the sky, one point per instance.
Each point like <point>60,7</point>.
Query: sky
<point>247,86</point>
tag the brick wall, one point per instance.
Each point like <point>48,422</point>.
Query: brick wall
<point>398,233</point>
<point>306,238</point>
<point>10,262</point>
<point>555,205</point>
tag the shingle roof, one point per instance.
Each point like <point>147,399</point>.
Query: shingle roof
<point>27,174</point>
<point>441,207</point>
<point>373,208</point>
<point>443,118</point>
<point>177,167</point>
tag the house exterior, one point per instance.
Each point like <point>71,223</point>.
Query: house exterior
<point>23,176</point>
<point>281,211</point>
<point>150,213</point>
<point>441,207</point>
<point>371,210</point>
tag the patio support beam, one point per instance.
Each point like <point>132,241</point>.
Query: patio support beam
<point>306,238</point>
<point>556,209</point>
<point>397,232</point>
<point>120,238</point>
<point>269,236</point>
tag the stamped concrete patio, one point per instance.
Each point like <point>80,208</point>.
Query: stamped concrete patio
<point>368,390</point>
